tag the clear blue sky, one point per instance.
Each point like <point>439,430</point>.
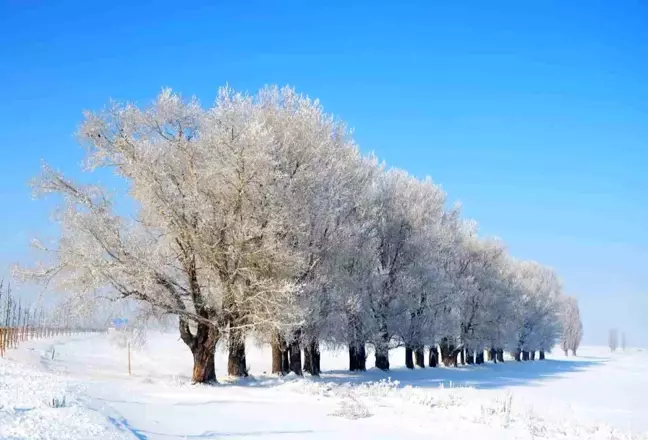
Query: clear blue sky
<point>533,114</point>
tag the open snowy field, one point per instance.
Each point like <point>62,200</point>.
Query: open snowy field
<point>79,388</point>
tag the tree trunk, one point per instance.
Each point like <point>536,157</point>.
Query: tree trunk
<point>444,350</point>
<point>285,360</point>
<point>295,354</point>
<point>353,358</point>
<point>382,351</point>
<point>312,358</point>
<point>433,357</point>
<point>448,353</point>
<point>362,357</point>
<point>525,355</point>
<point>236,365</point>
<point>409,358</point>
<point>492,355</point>
<point>462,357</point>
<point>277,358</point>
<point>419,357</point>
<point>479,358</point>
<point>542,355</point>
<point>500,355</point>
<point>280,363</point>
<point>516,355</point>
<point>357,351</point>
<point>204,370</point>
<point>317,361</point>
<point>357,357</point>
<point>470,357</point>
<point>308,359</point>
<point>203,347</point>
<point>532,355</point>
<point>574,352</point>
<point>489,355</point>
<point>566,352</point>
<point>382,358</point>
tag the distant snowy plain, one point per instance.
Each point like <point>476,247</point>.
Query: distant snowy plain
<point>79,388</point>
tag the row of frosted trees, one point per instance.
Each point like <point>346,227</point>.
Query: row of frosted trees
<point>259,217</point>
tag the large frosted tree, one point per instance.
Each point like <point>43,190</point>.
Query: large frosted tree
<point>215,241</point>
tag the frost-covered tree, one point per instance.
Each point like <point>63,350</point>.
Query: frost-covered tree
<point>317,176</point>
<point>613,339</point>
<point>424,284</point>
<point>479,294</point>
<point>537,324</point>
<point>402,206</point>
<point>352,267</point>
<point>572,327</point>
<point>215,241</point>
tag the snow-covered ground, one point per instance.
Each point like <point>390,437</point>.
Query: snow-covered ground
<point>597,396</point>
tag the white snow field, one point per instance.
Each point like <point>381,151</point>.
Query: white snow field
<point>593,396</point>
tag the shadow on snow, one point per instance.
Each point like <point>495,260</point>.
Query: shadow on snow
<point>485,376</point>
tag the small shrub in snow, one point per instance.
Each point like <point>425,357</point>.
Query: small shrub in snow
<point>58,403</point>
<point>382,388</point>
<point>499,408</point>
<point>351,408</point>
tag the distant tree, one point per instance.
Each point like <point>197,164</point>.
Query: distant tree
<point>623,341</point>
<point>572,327</point>
<point>613,339</point>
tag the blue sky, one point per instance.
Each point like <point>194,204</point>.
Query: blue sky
<point>533,114</point>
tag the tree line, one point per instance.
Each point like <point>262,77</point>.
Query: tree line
<point>21,322</point>
<point>259,216</point>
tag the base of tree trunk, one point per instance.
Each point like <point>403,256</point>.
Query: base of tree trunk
<point>492,355</point>
<point>419,358</point>
<point>409,358</point>
<point>479,357</point>
<point>295,355</point>
<point>312,358</point>
<point>517,355</point>
<point>362,357</point>
<point>500,355</point>
<point>308,360</point>
<point>353,358</point>
<point>525,355</point>
<point>448,353</point>
<point>470,357</point>
<point>280,361</point>
<point>382,359</point>
<point>357,357</point>
<point>462,357</point>
<point>542,355</point>
<point>444,351</point>
<point>204,369</point>
<point>285,361</point>
<point>532,355</point>
<point>236,365</point>
<point>433,357</point>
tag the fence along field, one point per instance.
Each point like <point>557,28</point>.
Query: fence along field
<point>21,323</point>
